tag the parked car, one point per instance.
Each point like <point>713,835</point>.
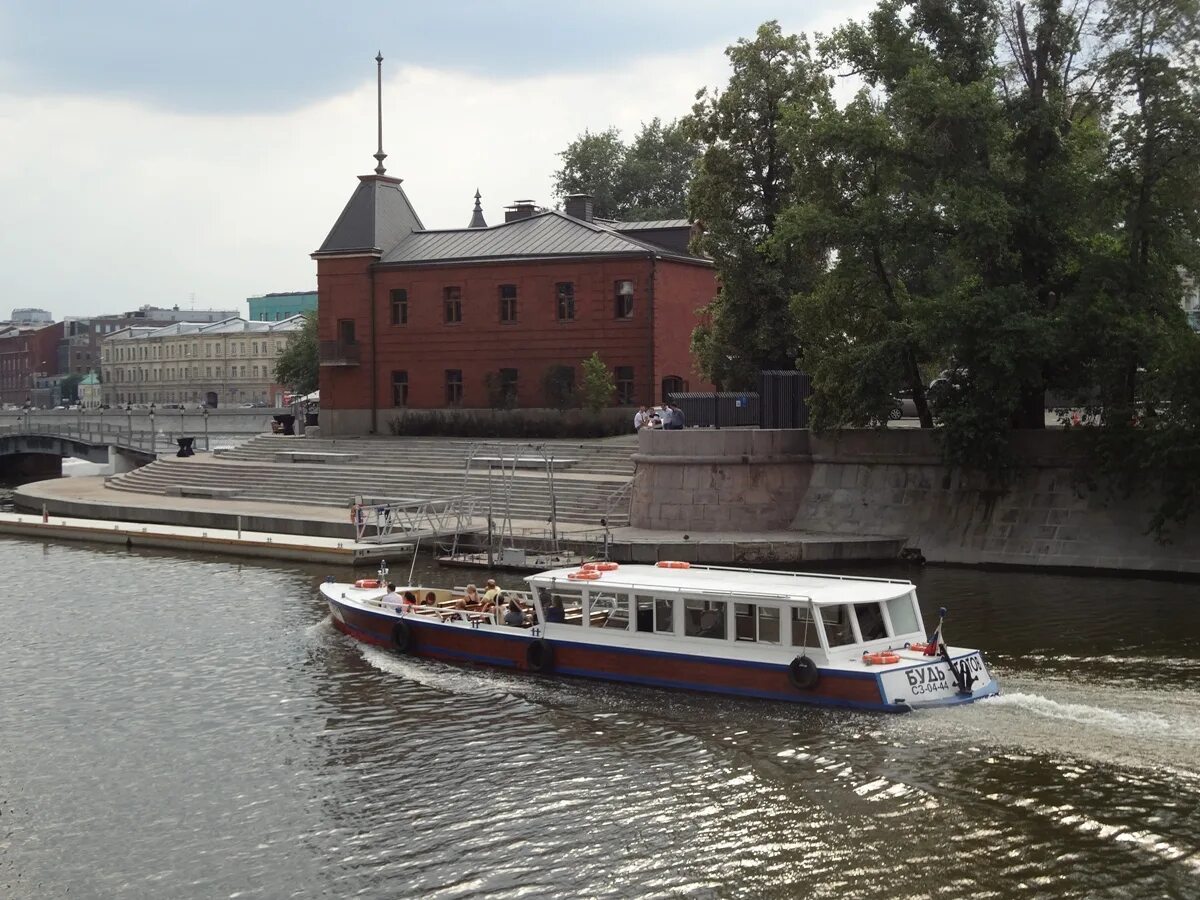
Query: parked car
<point>903,406</point>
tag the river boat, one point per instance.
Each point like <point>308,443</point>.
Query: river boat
<point>828,640</point>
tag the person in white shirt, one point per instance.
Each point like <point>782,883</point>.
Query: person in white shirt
<point>641,419</point>
<point>391,598</point>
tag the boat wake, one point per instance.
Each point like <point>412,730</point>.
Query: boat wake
<point>1114,724</point>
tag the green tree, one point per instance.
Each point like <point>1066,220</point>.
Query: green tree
<point>592,164</point>
<point>644,180</point>
<point>745,178</point>
<point>598,384</point>
<point>298,367</point>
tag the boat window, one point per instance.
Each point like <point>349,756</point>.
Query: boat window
<point>870,621</point>
<point>838,630</point>
<point>664,615</point>
<point>607,609</point>
<point>704,618</point>
<point>805,629</point>
<point>645,612</point>
<point>572,601</point>
<point>752,622</point>
<point>768,624</point>
<point>903,614</point>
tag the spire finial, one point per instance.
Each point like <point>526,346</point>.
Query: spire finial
<point>477,220</point>
<point>380,156</point>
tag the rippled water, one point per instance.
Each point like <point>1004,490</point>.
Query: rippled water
<point>173,726</point>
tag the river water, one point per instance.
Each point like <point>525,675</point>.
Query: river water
<point>187,727</point>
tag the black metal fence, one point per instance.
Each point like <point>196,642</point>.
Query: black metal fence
<point>783,398</point>
<point>726,409</point>
<point>780,402</point>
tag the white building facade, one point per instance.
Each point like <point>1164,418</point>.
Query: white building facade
<point>227,363</point>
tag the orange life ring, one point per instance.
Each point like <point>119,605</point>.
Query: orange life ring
<point>600,567</point>
<point>367,583</point>
<point>883,658</point>
<point>919,647</point>
<point>673,564</point>
<point>583,575</point>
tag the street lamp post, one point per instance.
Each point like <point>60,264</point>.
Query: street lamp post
<point>129,420</point>
<point>153,433</point>
<point>27,404</point>
<point>206,447</point>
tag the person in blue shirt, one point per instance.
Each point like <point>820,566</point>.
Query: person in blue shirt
<point>555,612</point>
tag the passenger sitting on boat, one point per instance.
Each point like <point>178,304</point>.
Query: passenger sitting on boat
<point>471,600</point>
<point>410,600</point>
<point>492,591</point>
<point>391,598</point>
<point>555,612</point>
<point>430,598</point>
<point>514,615</point>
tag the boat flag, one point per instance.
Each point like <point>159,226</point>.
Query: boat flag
<point>935,641</point>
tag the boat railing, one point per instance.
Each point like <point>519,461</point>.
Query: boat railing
<point>827,575</point>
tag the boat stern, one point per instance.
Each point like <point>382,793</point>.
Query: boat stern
<point>955,677</point>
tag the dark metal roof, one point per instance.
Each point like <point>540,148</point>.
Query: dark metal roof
<point>546,234</point>
<point>378,215</point>
<point>659,223</point>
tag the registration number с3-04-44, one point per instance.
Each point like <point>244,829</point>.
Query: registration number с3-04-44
<point>937,677</point>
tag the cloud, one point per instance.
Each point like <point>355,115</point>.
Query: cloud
<point>272,55</point>
<point>119,204</point>
<point>114,200</point>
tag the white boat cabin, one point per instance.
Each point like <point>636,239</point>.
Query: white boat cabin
<point>823,616</point>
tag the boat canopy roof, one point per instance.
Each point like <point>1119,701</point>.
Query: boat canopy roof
<point>822,590</point>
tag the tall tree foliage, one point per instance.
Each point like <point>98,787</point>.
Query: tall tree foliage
<point>644,180</point>
<point>745,179</point>
<point>298,367</point>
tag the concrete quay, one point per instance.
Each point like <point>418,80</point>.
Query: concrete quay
<point>223,541</point>
<point>91,508</point>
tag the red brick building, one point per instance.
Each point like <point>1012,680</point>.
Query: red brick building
<point>28,357</point>
<point>484,316</point>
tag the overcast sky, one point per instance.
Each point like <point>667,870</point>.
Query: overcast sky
<point>152,151</point>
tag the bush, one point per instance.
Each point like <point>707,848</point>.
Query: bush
<point>511,423</point>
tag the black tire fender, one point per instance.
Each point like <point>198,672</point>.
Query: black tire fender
<point>402,636</point>
<point>539,656</point>
<point>803,673</point>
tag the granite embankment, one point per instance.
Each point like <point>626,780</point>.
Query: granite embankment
<point>894,483</point>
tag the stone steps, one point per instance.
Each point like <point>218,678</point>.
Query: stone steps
<point>576,499</point>
<point>611,457</point>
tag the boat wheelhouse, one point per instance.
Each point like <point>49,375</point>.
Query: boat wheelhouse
<point>808,638</point>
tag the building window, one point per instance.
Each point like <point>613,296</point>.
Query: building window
<point>623,292</point>
<point>565,292</point>
<point>400,388</point>
<point>452,304</point>
<point>454,387</point>
<point>400,306</point>
<point>346,331</point>
<point>624,376</point>
<point>508,387</point>
<point>508,303</point>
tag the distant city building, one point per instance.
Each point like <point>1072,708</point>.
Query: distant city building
<point>31,316</point>
<point>79,351</point>
<point>277,307</point>
<point>226,363</point>
<point>90,393</point>
<point>28,359</point>
<point>175,314</point>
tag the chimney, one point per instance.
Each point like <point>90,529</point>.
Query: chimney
<point>579,206</point>
<point>520,209</point>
